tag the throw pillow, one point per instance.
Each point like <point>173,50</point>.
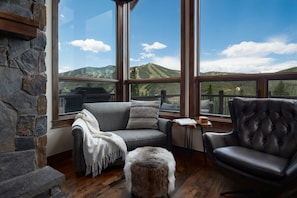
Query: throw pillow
<point>204,104</point>
<point>144,115</point>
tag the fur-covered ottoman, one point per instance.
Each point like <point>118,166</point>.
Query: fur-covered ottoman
<point>149,172</point>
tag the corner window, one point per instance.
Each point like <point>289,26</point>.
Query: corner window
<point>245,37</point>
<point>155,51</point>
<point>247,48</point>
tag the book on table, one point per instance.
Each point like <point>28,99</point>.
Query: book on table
<point>185,121</point>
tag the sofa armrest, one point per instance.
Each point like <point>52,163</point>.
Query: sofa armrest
<point>165,126</point>
<point>77,152</point>
<point>162,123</point>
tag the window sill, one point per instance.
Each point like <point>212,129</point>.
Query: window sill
<point>63,121</point>
<point>220,123</point>
<point>67,120</point>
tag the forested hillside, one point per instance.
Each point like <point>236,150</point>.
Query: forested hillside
<point>151,71</point>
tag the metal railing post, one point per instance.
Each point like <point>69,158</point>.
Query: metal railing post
<point>163,96</point>
<point>221,101</point>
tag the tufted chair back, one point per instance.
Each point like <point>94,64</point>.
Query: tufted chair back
<point>267,125</point>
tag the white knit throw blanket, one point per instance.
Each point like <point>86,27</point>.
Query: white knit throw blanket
<point>99,148</point>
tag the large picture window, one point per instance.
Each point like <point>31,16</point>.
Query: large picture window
<point>93,41</point>
<point>86,54</point>
<point>155,51</point>
<point>254,42</point>
<point>247,36</point>
<point>111,50</point>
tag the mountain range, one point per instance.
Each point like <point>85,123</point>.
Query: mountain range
<point>145,71</point>
<point>150,71</point>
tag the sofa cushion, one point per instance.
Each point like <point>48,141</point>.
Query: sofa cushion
<point>144,115</point>
<point>142,137</point>
<point>205,106</point>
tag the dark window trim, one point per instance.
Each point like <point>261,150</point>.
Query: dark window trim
<point>122,62</point>
<point>67,119</point>
<point>190,94</point>
<point>261,80</point>
<point>55,67</point>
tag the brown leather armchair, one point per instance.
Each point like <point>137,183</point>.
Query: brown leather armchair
<point>261,150</point>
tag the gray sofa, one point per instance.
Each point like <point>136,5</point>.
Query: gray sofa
<point>113,117</point>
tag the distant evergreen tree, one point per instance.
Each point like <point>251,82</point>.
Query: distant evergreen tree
<point>134,87</point>
<point>209,90</point>
<point>241,92</point>
<point>133,73</point>
<point>280,89</point>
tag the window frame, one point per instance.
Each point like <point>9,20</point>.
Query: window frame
<point>190,84</point>
<point>122,62</point>
<point>261,79</point>
<point>67,119</point>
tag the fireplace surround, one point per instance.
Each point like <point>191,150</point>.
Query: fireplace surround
<point>23,104</point>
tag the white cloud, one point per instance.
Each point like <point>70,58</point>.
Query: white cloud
<point>134,60</point>
<point>144,55</point>
<point>237,64</point>
<point>250,48</point>
<point>91,45</point>
<point>147,56</point>
<point>154,46</point>
<point>281,66</point>
<point>254,57</point>
<point>64,68</point>
<point>169,62</point>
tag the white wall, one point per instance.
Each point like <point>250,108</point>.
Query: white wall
<point>60,140</point>
<point>178,137</point>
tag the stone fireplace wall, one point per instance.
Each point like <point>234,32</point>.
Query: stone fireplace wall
<point>23,103</point>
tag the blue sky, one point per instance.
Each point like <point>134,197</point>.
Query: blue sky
<point>247,36</point>
<point>155,35</point>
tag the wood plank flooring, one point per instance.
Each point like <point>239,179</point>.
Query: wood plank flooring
<point>193,179</point>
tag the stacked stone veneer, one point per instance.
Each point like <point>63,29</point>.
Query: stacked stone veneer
<point>23,103</point>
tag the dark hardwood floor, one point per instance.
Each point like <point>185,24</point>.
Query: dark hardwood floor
<point>193,179</point>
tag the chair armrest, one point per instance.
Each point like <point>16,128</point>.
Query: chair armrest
<point>292,168</point>
<point>213,140</point>
<point>216,139</point>
<point>165,126</point>
<point>77,152</point>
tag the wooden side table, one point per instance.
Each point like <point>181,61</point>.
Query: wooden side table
<point>188,124</point>
<point>202,127</point>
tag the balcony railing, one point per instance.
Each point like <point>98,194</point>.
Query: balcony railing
<point>219,102</point>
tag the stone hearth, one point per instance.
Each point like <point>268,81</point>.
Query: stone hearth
<point>23,104</point>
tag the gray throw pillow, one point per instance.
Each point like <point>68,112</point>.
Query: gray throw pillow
<point>144,115</point>
<point>204,104</point>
